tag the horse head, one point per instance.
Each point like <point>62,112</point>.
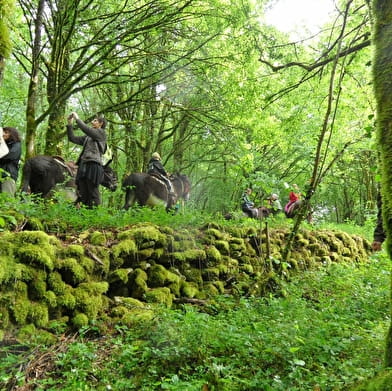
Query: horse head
<point>109,179</point>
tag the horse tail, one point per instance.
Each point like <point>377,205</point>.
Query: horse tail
<point>26,176</point>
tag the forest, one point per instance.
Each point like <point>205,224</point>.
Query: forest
<point>232,102</point>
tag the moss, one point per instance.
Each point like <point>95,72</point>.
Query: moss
<point>175,288</point>
<point>167,230</point>
<point>189,289</point>
<point>160,296</point>
<point>181,245</point>
<point>37,286</point>
<point>214,233</point>
<point>80,320</point>
<point>4,318</point>
<point>381,382</point>
<point>138,283</point>
<point>89,298</point>
<point>126,247</point>
<point>220,286</point>
<point>97,238</point>
<point>40,255</point>
<point>50,298</point>
<point>193,275</point>
<point>8,269</point>
<point>157,276</point>
<point>195,257</point>
<point>88,264</point>
<point>66,298</point>
<point>135,316</point>
<point>210,290</point>
<point>129,302</point>
<point>30,334</point>
<point>210,274</point>
<point>145,254</point>
<point>34,224</point>
<point>213,254</point>
<point>144,233</point>
<point>20,310</point>
<point>247,268</point>
<point>38,314</point>
<point>222,246</point>
<point>211,225</point>
<point>20,289</point>
<point>120,275</point>
<point>72,272</point>
<point>56,283</point>
<point>73,250</point>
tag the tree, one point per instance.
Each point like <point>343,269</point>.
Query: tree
<point>382,78</point>
<point>6,8</point>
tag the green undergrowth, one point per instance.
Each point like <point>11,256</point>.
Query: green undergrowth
<point>59,216</point>
<point>324,330</point>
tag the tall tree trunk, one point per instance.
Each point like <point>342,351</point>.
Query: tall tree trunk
<point>5,42</point>
<point>31,124</point>
<point>382,75</point>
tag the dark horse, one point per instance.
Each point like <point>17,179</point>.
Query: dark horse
<point>42,173</point>
<point>146,189</point>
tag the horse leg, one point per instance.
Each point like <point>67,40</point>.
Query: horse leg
<point>129,198</point>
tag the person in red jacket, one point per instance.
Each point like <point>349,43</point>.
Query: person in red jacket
<point>294,196</point>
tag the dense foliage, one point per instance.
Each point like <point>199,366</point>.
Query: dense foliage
<point>221,94</point>
<point>324,330</point>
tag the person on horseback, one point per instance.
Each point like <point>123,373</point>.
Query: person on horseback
<point>294,196</point>
<point>247,205</point>
<point>274,204</point>
<point>155,167</point>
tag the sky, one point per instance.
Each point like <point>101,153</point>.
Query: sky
<point>290,15</point>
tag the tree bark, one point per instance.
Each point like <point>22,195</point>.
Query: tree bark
<point>31,124</point>
<point>382,80</point>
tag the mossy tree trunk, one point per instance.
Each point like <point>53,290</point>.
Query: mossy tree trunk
<point>6,9</point>
<point>382,75</point>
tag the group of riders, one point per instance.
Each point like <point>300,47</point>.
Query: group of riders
<point>274,205</point>
<point>90,163</point>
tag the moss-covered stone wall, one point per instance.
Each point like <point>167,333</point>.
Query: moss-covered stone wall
<point>115,274</point>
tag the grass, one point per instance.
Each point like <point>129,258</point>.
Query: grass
<point>323,331</point>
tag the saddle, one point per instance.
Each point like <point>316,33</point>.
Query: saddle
<point>167,182</point>
<point>71,167</point>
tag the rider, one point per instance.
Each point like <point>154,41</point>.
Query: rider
<point>274,203</point>
<point>294,196</point>
<point>247,205</point>
<point>155,167</point>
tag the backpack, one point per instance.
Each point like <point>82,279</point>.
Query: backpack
<point>107,155</point>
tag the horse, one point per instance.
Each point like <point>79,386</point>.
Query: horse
<point>291,209</point>
<point>41,174</point>
<point>150,190</point>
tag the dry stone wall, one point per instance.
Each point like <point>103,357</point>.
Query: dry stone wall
<point>118,275</point>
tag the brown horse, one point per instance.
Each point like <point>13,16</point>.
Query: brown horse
<point>42,173</point>
<point>146,189</point>
<point>291,210</point>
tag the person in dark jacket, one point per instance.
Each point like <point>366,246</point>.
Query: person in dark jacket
<point>379,233</point>
<point>9,164</point>
<point>155,167</point>
<point>90,169</point>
